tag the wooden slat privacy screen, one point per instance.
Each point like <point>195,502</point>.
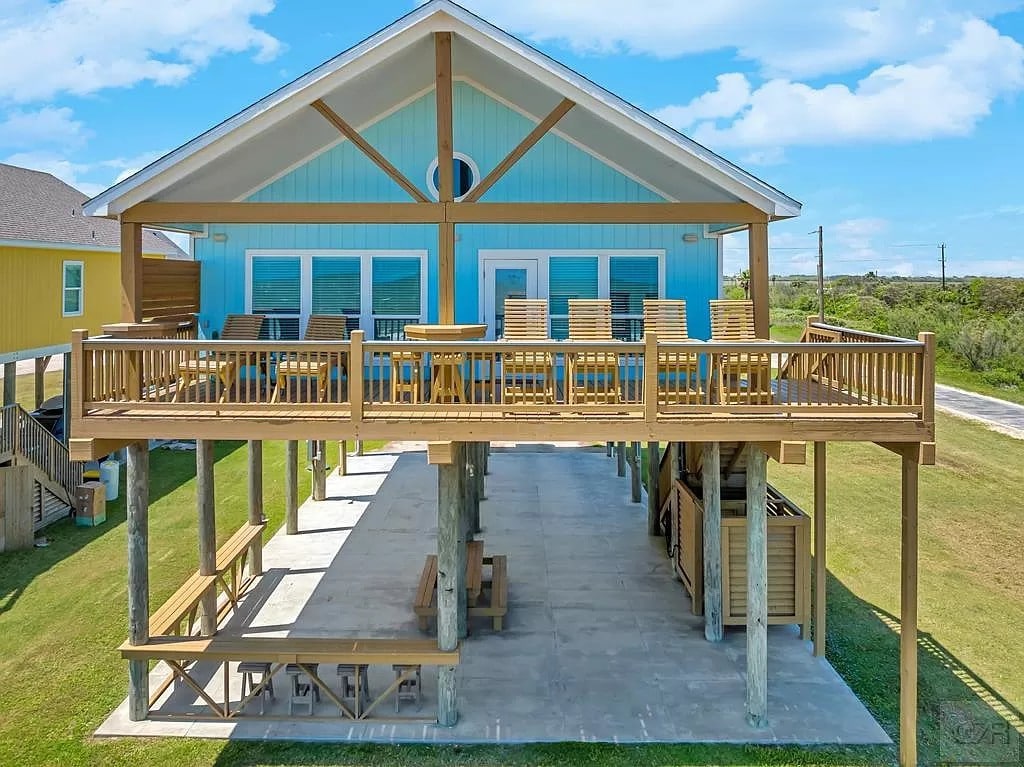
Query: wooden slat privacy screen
<point>170,289</point>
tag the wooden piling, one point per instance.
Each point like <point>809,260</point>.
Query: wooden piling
<point>908,608</point>
<point>653,490</point>
<point>620,459</point>
<point>634,471</point>
<point>319,464</point>
<point>820,571</point>
<point>291,487</point>
<point>10,382</point>
<point>451,574</point>
<point>711,481</point>
<point>207,526</point>
<point>40,379</point>
<point>256,503</point>
<point>342,458</point>
<point>137,479</point>
<point>757,588</point>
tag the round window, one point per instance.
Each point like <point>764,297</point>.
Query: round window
<point>465,175</point>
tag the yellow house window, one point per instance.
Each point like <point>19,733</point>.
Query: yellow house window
<point>72,288</point>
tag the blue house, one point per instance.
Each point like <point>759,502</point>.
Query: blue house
<point>422,177</point>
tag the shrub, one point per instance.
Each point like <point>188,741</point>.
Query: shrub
<point>980,342</point>
<point>1003,378</point>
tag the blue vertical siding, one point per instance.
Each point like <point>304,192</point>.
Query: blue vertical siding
<point>486,130</point>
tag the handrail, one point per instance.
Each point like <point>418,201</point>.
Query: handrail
<point>28,440</point>
<point>861,333</point>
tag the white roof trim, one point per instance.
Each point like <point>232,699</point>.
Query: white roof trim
<point>427,18</point>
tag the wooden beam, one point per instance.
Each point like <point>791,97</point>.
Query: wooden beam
<point>620,459</point>
<point>291,487</point>
<point>758,264</point>
<point>366,148</point>
<point>446,273</point>
<point>207,528</point>
<point>90,449</point>
<point>137,479</point>
<point>286,213</point>
<point>820,571</point>
<point>712,533</point>
<point>786,452</point>
<point>599,212</point>
<point>908,612</point>
<point>10,383</point>
<point>521,149</point>
<point>256,503</point>
<point>922,452</point>
<point>734,461</point>
<point>757,589</point>
<point>319,467</point>
<point>653,491</point>
<point>450,582</point>
<point>443,91</point>
<point>131,271</point>
<point>439,453</point>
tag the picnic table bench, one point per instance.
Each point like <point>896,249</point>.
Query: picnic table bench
<point>495,608</point>
<point>280,652</point>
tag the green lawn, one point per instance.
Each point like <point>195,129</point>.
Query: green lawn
<point>62,613</point>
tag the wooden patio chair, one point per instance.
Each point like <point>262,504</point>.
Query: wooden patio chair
<point>742,377</point>
<point>321,327</point>
<point>680,370</point>
<point>591,320</point>
<point>221,368</point>
<point>527,377</point>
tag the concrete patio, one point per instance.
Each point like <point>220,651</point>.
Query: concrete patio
<point>599,645</point>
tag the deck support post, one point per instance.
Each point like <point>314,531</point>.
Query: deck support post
<point>291,487</point>
<point>908,608</point>
<point>634,471</point>
<point>137,477</point>
<point>757,588</point>
<point>256,503</point>
<point>342,458</point>
<point>757,249</point>
<point>319,463</point>
<point>40,379</point>
<point>820,571</point>
<point>10,382</point>
<point>207,532</point>
<point>620,459</point>
<point>653,490</point>
<point>451,576</point>
<point>481,465</point>
<point>711,482</point>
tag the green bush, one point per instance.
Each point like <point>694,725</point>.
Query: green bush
<point>1003,378</point>
<point>982,341</point>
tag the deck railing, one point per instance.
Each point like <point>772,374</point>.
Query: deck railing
<point>22,437</point>
<point>360,379</point>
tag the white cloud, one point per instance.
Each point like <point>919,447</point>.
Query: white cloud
<point>83,46</point>
<point>945,94</point>
<point>22,129</point>
<point>791,38</point>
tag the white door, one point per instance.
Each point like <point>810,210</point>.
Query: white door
<point>506,278</point>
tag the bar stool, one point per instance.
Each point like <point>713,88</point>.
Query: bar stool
<point>408,689</point>
<point>248,669</point>
<point>400,361</point>
<point>304,690</point>
<point>347,671</point>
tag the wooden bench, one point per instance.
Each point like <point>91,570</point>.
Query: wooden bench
<point>231,560</point>
<point>182,607</point>
<point>307,653</point>
<point>495,607</point>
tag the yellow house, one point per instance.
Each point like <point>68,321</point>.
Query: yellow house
<point>59,269</point>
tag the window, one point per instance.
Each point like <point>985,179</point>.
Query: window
<point>465,176</point>
<point>277,293</point>
<point>72,288</point>
<point>395,286</point>
<point>337,288</point>
<point>631,279</point>
<point>569,277</point>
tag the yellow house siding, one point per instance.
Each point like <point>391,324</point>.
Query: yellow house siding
<point>31,295</point>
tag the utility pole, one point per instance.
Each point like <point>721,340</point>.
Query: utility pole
<point>942,260</point>
<point>821,274</point>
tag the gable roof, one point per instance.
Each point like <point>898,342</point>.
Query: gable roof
<point>37,207</point>
<point>280,131</point>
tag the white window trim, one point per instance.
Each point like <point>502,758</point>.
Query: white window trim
<point>64,288</point>
<point>366,257</point>
<point>543,257</point>
<point>474,169</point>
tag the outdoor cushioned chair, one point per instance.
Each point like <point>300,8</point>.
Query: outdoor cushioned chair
<point>222,369</point>
<point>679,369</point>
<point>527,377</point>
<point>742,378</point>
<point>594,376</point>
<point>314,367</point>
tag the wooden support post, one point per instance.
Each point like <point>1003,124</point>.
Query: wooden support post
<point>634,471</point>
<point>319,465</point>
<point>256,503</point>
<point>487,460</point>
<point>291,487</point>
<point>131,272</point>
<point>608,448</point>
<point>653,491</point>
<point>40,379</point>
<point>620,459</point>
<point>445,176</point>
<point>359,447</point>
<point>451,575</point>
<point>481,459</point>
<point>66,391</point>
<point>711,481</point>
<point>758,264</point>
<point>908,610</point>
<point>470,510</point>
<point>137,479</point>
<point>342,458</point>
<point>10,382</point>
<point>206,507</point>
<point>757,588</point>
<point>820,571</point>
<point>476,450</point>
<point>460,452</point>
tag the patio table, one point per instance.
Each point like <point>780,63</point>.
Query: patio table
<point>448,382</point>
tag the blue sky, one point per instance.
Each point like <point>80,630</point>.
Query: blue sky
<point>897,124</point>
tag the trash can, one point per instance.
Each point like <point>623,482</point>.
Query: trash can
<point>110,475</point>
